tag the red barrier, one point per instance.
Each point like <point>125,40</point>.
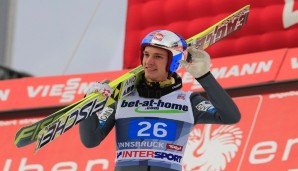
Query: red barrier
<point>266,137</point>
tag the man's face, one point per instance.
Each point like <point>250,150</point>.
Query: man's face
<point>155,62</point>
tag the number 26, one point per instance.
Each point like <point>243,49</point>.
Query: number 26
<point>158,129</point>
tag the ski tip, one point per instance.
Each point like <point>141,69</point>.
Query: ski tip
<point>21,144</point>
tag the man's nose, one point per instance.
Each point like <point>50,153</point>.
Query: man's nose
<point>150,60</point>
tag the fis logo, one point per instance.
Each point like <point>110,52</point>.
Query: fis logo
<point>181,96</point>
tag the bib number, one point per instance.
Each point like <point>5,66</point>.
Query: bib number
<point>152,129</point>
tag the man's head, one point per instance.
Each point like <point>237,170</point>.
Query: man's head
<point>161,51</point>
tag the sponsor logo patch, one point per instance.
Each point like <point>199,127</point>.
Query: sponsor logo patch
<point>174,147</point>
<point>155,106</point>
<point>149,154</point>
<point>206,106</point>
<point>104,115</point>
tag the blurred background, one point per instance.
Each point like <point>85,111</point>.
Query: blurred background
<point>51,51</point>
<point>43,38</point>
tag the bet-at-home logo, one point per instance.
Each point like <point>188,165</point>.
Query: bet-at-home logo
<point>152,106</point>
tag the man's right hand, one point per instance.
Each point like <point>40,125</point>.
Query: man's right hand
<point>100,87</point>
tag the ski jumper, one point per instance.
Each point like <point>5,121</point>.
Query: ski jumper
<point>152,133</point>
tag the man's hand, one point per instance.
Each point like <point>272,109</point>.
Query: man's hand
<point>102,88</point>
<point>200,63</point>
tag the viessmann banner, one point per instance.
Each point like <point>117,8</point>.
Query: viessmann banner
<point>266,138</point>
<point>234,71</point>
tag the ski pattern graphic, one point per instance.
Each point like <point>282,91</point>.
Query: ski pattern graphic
<point>29,134</point>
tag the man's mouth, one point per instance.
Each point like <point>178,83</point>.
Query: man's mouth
<point>150,69</point>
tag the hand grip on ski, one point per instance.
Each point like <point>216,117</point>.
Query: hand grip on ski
<point>199,64</point>
<point>100,87</point>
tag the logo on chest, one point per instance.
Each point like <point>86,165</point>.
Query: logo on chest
<point>155,106</point>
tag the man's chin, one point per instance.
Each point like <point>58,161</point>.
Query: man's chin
<point>150,77</point>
